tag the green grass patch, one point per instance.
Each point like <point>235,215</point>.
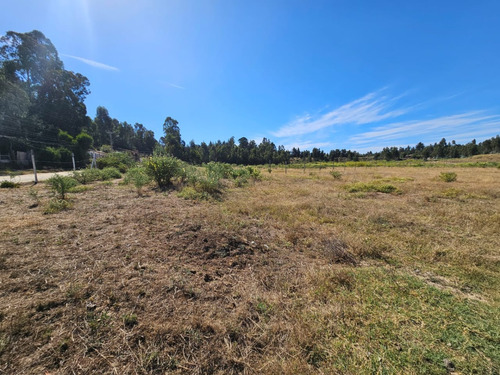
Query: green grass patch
<point>8,185</point>
<point>448,176</point>
<point>392,324</point>
<point>374,186</point>
<point>80,189</point>
<point>56,205</point>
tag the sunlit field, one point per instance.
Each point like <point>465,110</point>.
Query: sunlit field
<point>345,270</point>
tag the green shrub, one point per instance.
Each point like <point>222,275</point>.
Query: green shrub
<point>241,181</point>
<point>120,160</point>
<point>8,185</point>
<point>109,173</point>
<point>106,148</point>
<point>65,155</point>
<point>191,193</point>
<point>80,189</point>
<point>61,185</point>
<point>253,172</point>
<point>336,175</point>
<point>163,169</point>
<point>87,175</point>
<point>448,176</point>
<point>138,177</point>
<point>49,156</point>
<point>374,186</point>
<point>56,205</point>
<point>219,170</point>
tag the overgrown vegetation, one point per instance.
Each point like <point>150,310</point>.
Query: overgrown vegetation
<point>61,184</point>
<point>119,160</point>
<point>88,175</point>
<point>373,186</point>
<point>8,185</point>
<point>138,177</point>
<point>448,176</point>
<point>163,169</point>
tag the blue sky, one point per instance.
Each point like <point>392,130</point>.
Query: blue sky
<point>359,75</point>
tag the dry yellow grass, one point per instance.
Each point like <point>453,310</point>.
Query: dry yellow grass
<point>290,275</point>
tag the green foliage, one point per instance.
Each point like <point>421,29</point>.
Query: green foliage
<point>336,175</point>
<point>190,193</point>
<point>56,205</point>
<point>84,141</point>
<point>219,170</point>
<point>80,189</point>
<point>64,137</point>
<point>61,185</point>
<point>121,160</point>
<point>163,169</point>
<point>86,176</point>
<point>8,185</point>
<point>172,140</point>
<point>253,172</point>
<point>448,176</point>
<point>110,173</point>
<point>373,186</point>
<point>138,177</point>
<point>106,148</point>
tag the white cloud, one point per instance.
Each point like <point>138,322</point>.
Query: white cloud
<point>307,145</point>
<point>176,86</point>
<point>371,108</point>
<point>461,126</point>
<point>93,63</point>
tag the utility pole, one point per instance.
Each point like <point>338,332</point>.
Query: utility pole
<point>34,166</point>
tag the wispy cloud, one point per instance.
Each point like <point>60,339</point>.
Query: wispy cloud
<point>176,86</point>
<point>371,108</point>
<point>459,127</point>
<point>307,145</point>
<point>93,63</point>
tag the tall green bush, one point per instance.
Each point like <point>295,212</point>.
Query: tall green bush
<point>120,160</point>
<point>61,185</point>
<point>163,169</point>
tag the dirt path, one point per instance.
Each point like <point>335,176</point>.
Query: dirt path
<point>31,178</point>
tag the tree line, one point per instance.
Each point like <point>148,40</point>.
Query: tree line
<point>42,106</point>
<point>250,153</point>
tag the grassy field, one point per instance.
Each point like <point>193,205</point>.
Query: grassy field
<point>376,270</point>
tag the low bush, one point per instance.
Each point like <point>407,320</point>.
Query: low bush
<point>448,176</point>
<point>56,205</point>
<point>336,175</point>
<point>219,170</point>
<point>109,173</point>
<point>371,187</point>
<point>61,184</point>
<point>86,176</point>
<point>191,193</point>
<point>8,185</point>
<point>163,169</point>
<point>138,177</point>
<point>120,160</point>
<point>80,189</point>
